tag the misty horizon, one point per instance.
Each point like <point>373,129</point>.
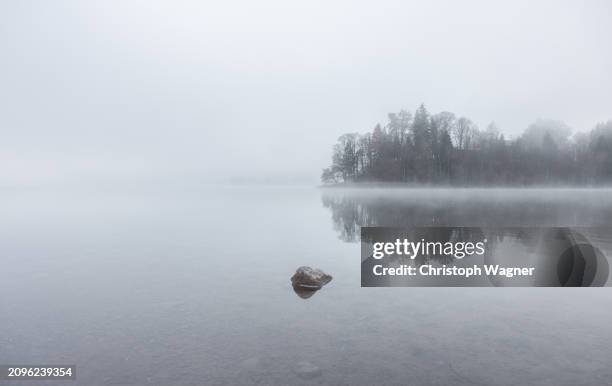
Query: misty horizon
<point>139,91</point>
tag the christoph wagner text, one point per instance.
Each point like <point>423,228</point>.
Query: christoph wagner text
<point>430,270</point>
<point>413,249</point>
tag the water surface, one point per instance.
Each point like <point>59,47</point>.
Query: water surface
<point>192,287</point>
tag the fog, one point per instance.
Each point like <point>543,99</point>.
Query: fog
<point>244,91</point>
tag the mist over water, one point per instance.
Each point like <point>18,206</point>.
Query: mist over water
<point>120,255</point>
<point>499,207</point>
<point>193,285</point>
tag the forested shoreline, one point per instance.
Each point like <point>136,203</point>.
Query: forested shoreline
<point>444,149</point>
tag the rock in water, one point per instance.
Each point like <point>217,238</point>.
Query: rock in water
<point>307,370</point>
<point>310,279</point>
<point>304,293</point>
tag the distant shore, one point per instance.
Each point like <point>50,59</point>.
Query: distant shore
<point>407,185</point>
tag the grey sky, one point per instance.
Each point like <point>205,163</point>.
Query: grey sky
<point>250,88</point>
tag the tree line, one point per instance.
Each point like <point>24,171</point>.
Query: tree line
<point>445,149</point>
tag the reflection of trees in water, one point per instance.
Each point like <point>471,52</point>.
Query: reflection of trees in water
<point>520,232</point>
<point>348,216</point>
<point>350,211</point>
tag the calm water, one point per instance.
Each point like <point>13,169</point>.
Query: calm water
<point>192,287</point>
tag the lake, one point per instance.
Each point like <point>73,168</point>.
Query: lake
<point>191,286</point>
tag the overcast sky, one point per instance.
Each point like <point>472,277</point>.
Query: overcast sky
<point>225,89</point>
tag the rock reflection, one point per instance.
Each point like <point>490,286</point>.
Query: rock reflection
<point>304,293</point>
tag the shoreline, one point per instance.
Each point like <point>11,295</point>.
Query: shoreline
<point>411,186</point>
